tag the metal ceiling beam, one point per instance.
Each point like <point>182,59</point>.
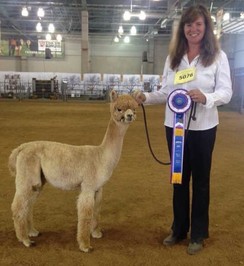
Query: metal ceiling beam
<point>104,16</point>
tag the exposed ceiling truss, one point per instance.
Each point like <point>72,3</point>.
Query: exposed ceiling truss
<point>105,17</point>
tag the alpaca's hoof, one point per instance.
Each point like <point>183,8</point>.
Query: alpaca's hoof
<point>33,233</point>
<point>86,249</point>
<point>97,234</point>
<point>28,243</point>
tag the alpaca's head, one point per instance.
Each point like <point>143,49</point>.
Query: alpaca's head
<point>123,107</point>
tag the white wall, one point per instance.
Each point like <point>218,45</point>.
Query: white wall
<point>160,54</point>
<point>105,56</point>
<point>8,64</point>
<point>109,57</point>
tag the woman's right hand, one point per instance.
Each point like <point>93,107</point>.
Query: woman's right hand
<point>139,96</point>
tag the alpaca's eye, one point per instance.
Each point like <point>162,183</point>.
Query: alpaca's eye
<point>119,110</point>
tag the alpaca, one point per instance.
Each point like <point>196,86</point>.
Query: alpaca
<point>69,167</point>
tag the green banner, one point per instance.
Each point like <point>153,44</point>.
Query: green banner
<point>17,46</point>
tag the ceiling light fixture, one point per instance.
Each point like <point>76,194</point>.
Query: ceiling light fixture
<point>39,27</point>
<point>142,15</point>
<point>126,39</point>
<point>40,12</point>
<point>116,39</point>
<point>127,15</point>
<point>48,37</point>
<point>59,37</point>
<point>120,30</point>
<point>226,16</point>
<point>133,30</point>
<point>25,12</point>
<point>51,28</point>
<point>164,23</point>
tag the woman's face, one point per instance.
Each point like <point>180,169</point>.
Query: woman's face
<point>195,30</point>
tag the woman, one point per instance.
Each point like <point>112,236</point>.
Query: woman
<point>194,47</point>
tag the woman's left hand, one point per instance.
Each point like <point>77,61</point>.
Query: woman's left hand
<point>197,96</point>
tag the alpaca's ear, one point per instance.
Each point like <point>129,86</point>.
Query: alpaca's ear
<point>113,96</point>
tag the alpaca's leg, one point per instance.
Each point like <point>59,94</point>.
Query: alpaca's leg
<point>95,229</point>
<point>32,232</point>
<point>20,210</point>
<point>28,186</point>
<point>85,207</point>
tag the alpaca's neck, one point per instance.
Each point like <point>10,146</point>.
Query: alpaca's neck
<point>113,140</point>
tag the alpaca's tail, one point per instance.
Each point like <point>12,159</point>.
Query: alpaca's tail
<point>12,160</point>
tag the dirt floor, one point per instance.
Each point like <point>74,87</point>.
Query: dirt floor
<point>137,209</point>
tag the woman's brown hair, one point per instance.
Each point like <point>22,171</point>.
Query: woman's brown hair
<point>209,44</point>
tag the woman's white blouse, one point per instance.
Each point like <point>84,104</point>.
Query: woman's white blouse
<point>213,81</point>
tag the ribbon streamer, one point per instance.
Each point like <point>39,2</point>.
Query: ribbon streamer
<point>179,103</point>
